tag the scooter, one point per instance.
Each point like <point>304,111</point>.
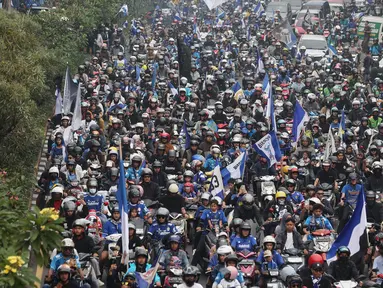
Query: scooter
<point>247,266</point>
<point>294,258</point>
<point>174,277</point>
<point>323,240</point>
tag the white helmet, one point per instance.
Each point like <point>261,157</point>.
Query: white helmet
<point>224,250</point>
<point>171,39</point>
<point>269,239</point>
<point>356,102</point>
<point>315,200</point>
<point>205,196</point>
<point>312,96</point>
<point>173,188</point>
<point>67,242</point>
<point>53,170</point>
<point>58,189</point>
<point>215,150</point>
<point>302,48</point>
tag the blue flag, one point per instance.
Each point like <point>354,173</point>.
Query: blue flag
<point>236,87</point>
<point>138,72</point>
<point>187,136</point>
<point>123,206</point>
<point>173,90</point>
<point>268,147</point>
<point>269,113</point>
<point>353,230</point>
<point>235,170</point>
<point>300,117</point>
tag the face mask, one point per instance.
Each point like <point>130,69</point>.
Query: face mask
<point>281,201</point>
<point>343,259</point>
<point>370,202</point>
<point>93,191</point>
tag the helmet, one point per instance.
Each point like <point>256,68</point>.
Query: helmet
<point>343,249</point>
<point>92,182</point>
<point>188,173</point>
<point>134,193</point>
<point>63,268</point>
<point>290,182</point>
<point>157,164</point>
<point>233,272</point>
<point>237,222</point>
<point>245,226</point>
<point>232,257</point>
<point>69,206</point>
<point>294,279</point>
<point>67,242</point>
<point>190,270</point>
<point>141,252</point>
<point>58,189</point>
<point>315,258</point>
<point>146,171</point>
<point>163,212</point>
<point>216,200</point>
<point>131,226</point>
<point>248,201</point>
<point>205,196</point>
<point>53,170</point>
<point>79,222</point>
<point>269,239</point>
<point>224,250</point>
<point>175,238</point>
<point>280,194</point>
<point>173,188</point>
<point>136,158</point>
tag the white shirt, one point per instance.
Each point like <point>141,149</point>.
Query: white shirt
<point>289,241</point>
<point>378,264</point>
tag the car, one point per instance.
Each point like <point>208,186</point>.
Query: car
<point>283,7</point>
<point>300,24</point>
<point>321,5</point>
<point>316,46</point>
<point>337,5</point>
<point>296,5</point>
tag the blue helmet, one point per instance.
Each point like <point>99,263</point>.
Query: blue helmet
<point>175,238</point>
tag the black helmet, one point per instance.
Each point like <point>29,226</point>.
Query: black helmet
<point>237,222</point>
<point>115,209</point>
<point>157,164</point>
<point>370,194</point>
<point>245,226</point>
<point>232,257</point>
<point>141,252</point>
<point>146,171</point>
<point>343,249</point>
<point>134,193</point>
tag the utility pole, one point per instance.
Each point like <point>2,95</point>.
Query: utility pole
<point>7,5</point>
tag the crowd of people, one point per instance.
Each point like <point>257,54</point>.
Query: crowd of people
<point>184,90</point>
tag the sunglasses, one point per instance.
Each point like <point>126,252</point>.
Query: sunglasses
<point>318,270</point>
<point>295,285</point>
<point>161,217</point>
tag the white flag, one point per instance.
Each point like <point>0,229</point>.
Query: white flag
<point>76,121</point>
<point>216,183</point>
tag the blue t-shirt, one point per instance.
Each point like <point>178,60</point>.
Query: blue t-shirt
<point>94,202</point>
<point>277,258</point>
<point>142,210</point>
<point>239,243</point>
<point>313,223</point>
<point>351,193</point>
<point>159,231</point>
<point>296,197</point>
<point>214,217</point>
<point>60,259</point>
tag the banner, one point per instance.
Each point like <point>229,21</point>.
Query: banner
<point>284,33</point>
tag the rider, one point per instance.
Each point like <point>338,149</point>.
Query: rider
<point>190,278</point>
<point>316,221</point>
<point>269,244</point>
<point>174,242</point>
<point>161,228</point>
<point>141,265</point>
<point>245,241</point>
<point>343,268</point>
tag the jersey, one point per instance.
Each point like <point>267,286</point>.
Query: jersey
<point>277,258</point>
<point>94,202</point>
<point>159,231</point>
<point>214,217</point>
<point>239,243</point>
<point>296,197</point>
<point>352,192</point>
<point>60,259</point>
<point>142,210</point>
<point>313,223</point>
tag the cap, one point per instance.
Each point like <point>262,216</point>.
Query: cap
<point>317,265</point>
<point>267,253</point>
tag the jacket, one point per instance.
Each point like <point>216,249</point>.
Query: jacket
<point>343,270</point>
<point>282,237</point>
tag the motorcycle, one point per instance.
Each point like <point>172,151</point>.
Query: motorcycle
<point>323,240</point>
<point>328,193</point>
<point>174,277</point>
<point>267,189</point>
<point>179,222</point>
<point>247,266</point>
<point>294,258</point>
<point>272,279</point>
<point>191,210</point>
